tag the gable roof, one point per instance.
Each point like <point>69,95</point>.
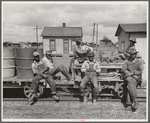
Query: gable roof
<point>138,27</point>
<point>62,31</point>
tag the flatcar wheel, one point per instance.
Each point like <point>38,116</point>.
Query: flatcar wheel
<point>27,91</point>
<point>120,91</point>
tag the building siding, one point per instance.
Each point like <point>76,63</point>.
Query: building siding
<point>45,45</point>
<point>123,37</point>
<point>138,35</point>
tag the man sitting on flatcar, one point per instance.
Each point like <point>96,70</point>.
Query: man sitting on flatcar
<point>41,71</point>
<point>90,67</point>
<point>78,53</point>
<point>54,70</point>
<point>132,68</point>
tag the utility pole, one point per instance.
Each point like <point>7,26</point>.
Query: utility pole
<point>93,33</point>
<point>36,28</point>
<point>96,37</point>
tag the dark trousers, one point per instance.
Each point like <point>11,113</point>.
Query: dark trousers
<point>49,80</point>
<point>90,77</point>
<point>130,92</point>
<point>62,69</point>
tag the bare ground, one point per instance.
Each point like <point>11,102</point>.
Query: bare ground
<point>71,110</point>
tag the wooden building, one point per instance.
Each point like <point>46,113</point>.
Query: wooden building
<point>60,39</point>
<point>126,31</point>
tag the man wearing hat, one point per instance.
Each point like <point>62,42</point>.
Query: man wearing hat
<point>132,46</point>
<point>40,71</point>
<point>132,69</point>
<point>90,67</point>
<point>78,52</point>
<point>54,70</point>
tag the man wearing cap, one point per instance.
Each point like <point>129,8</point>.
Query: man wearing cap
<point>132,69</point>
<point>54,70</point>
<point>90,67</point>
<point>132,46</point>
<point>40,71</point>
<point>78,52</point>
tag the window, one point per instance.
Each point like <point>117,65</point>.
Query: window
<point>122,45</point>
<point>73,43</point>
<point>66,46</point>
<point>52,44</point>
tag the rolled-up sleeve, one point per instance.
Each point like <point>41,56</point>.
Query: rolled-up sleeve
<point>125,69</point>
<point>84,66</point>
<point>97,67</point>
<point>34,68</point>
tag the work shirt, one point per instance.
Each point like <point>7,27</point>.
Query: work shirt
<point>78,52</point>
<point>88,66</point>
<point>48,62</point>
<point>37,67</point>
<point>136,67</point>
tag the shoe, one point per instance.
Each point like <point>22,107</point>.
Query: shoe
<point>55,97</point>
<point>85,100</point>
<point>94,102</point>
<point>32,99</point>
<point>70,72</point>
<point>128,108</point>
<point>134,106</point>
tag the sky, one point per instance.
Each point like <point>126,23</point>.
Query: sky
<point>19,19</point>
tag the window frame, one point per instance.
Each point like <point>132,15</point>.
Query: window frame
<point>67,40</point>
<point>123,48</point>
<point>50,40</point>
<point>72,44</point>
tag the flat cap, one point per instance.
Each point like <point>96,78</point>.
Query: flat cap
<point>49,52</point>
<point>78,40</point>
<point>91,53</point>
<point>36,53</point>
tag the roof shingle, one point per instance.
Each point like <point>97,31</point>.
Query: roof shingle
<point>62,31</point>
<point>138,27</point>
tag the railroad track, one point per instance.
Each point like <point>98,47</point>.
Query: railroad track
<point>143,99</point>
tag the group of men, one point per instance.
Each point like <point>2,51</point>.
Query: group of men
<point>45,69</point>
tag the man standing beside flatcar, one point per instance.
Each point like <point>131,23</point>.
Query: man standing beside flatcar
<point>40,71</point>
<point>132,69</point>
<point>90,67</point>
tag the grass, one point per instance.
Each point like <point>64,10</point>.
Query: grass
<point>71,110</point>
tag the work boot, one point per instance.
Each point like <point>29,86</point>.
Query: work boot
<point>56,98</point>
<point>85,100</point>
<point>128,108</point>
<point>134,106</point>
<point>32,99</point>
<point>94,102</point>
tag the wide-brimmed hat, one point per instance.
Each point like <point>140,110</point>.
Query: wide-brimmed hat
<point>132,52</point>
<point>133,40</point>
<point>78,40</point>
<point>90,54</point>
<point>36,53</point>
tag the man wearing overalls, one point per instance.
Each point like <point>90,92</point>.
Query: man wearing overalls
<point>90,67</point>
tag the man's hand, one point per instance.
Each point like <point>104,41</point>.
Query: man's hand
<point>44,76</point>
<point>88,50</point>
<point>130,74</point>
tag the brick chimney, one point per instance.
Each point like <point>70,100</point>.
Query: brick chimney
<point>64,25</point>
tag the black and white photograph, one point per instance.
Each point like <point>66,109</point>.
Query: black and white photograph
<point>74,61</point>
